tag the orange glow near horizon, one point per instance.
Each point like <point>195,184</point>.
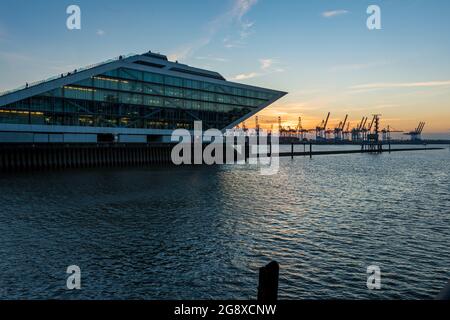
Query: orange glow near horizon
<point>396,118</point>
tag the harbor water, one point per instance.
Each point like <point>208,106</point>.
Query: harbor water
<point>202,232</point>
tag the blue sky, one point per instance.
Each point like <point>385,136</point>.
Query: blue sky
<point>320,51</point>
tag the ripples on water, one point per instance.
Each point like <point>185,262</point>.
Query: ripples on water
<point>203,232</point>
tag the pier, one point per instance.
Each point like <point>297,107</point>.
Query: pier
<point>364,149</point>
<point>56,157</point>
<point>67,156</point>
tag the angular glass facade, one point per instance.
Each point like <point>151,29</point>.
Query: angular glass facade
<point>130,98</point>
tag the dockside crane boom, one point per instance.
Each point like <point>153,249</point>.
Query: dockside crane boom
<point>416,134</point>
<point>321,133</point>
<point>339,130</point>
<point>371,124</point>
<point>364,124</point>
<point>345,121</point>
<point>421,128</point>
<point>361,124</point>
<point>326,121</point>
<point>386,133</point>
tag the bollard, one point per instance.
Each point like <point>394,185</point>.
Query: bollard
<point>268,283</point>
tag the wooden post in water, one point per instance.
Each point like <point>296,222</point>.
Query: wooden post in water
<point>310,150</point>
<point>268,283</point>
<point>292,151</point>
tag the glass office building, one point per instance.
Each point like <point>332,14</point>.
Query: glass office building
<point>139,98</point>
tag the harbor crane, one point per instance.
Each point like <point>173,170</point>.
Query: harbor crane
<point>416,135</point>
<point>281,129</point>
<point>301,132</point>
<point>339,130</point>
<point>369,129</point>
<point>285,131</point>
<point>321,129</point>
<point>356,132</point>
<point>386,133</point>
<point>365,131</point>
<point>373,136</point>
<point>346,132</point>
<point>295,132</point>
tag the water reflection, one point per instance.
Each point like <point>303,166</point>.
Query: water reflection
<point>203,232</point>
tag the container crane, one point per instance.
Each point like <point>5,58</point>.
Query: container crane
<point>283,131</point>
<point>366,131</point>
<point>301,132</point>
<point>339,130</point>
<point>280,127</point>
<point>416,135</point>
<point>321,129</point>
<point>373,136</point>
<point>356,132</point>
<point>386,133</point>
<point>346,132</point>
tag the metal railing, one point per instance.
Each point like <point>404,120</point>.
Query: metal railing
<point>36,83</point>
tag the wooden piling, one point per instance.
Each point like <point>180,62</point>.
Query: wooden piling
<point>268,283</point>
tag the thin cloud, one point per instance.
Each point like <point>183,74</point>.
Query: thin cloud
<point>244,76</point>
<point>246,30</point>
<point>334,13</point>
<point>241,7</point>
<point>266,67</point>
<point>235,15</point>
<point>388,85</point>
<point>266,63</point>
<point>100,32</point>
<point>229,45</point>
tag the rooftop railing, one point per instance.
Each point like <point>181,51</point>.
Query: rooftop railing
<point>36,83</point>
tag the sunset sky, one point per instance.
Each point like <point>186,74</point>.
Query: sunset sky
<point>321,52</point>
